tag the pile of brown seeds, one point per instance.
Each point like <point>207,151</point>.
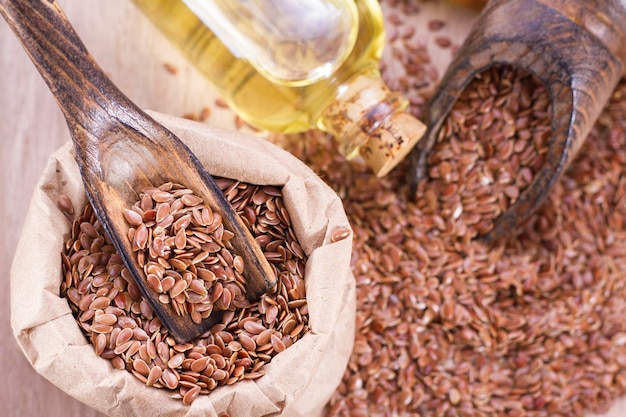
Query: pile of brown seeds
<point>122,327</point>
<point>447,326</point>
<point>488,151</point>
<point>185,252</point>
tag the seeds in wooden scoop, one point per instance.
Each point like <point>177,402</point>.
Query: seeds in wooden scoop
<point>185,252</point>
<point>489,149</point>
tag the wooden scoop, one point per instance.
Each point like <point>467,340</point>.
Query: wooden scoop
<point>121,150</point>
<point>577,48</point>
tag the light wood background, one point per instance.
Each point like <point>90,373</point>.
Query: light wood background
<point>133,53</point>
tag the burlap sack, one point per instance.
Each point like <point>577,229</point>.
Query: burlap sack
<point>299,381</point>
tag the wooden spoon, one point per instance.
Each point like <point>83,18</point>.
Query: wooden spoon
<point>121,150</point>
<point>577,48</point>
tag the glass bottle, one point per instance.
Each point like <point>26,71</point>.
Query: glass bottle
<point>327,79</point>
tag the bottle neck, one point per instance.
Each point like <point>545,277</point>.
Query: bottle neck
<point>369,120</point>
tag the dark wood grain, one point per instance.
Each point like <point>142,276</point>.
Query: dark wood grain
<point>576,48</point>
<point>120,149</point>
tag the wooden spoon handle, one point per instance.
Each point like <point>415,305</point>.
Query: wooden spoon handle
<point>90,102</point>
<point>120,149</point>
<point>579,70</point>
<point>73,76</point>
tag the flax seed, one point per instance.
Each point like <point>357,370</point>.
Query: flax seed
<point>455,328</point>
<point>121,325</point>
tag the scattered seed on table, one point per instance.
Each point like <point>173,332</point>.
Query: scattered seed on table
<point>447,326</point>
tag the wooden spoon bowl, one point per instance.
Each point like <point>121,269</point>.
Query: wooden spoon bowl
<point>121,150</point>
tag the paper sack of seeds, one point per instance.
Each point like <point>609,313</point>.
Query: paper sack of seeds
<point>83,325</point>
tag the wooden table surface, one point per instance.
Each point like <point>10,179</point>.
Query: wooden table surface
<point>133,53</point>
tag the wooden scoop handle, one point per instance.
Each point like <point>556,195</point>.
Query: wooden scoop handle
<point>577,48</point>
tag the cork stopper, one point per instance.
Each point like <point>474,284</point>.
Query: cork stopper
<point>391,142</point>
<point>369,120</point>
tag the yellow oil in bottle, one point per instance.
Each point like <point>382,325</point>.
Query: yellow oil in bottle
<point>281,107</point>
<point>290,42</point>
